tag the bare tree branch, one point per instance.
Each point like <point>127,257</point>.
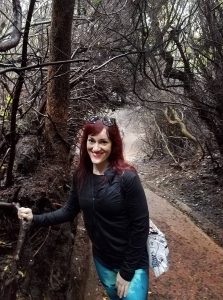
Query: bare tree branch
<point>6,44</point>
<point>18,70</point>
<point>16,96</point>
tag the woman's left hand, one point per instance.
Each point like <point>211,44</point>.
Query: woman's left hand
<point>122,286</point>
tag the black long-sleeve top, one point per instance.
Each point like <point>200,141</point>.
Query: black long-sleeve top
<point>116,218</point>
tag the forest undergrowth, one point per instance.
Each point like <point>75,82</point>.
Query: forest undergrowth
<point>196,189</point>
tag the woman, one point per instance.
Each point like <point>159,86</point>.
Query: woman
<point>110,195</point>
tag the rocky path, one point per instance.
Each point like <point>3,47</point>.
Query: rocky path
<point>196,262</point>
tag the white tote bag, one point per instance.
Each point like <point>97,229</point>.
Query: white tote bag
<point>158,250</point>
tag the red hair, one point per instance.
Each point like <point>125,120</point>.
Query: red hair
<point>116,158</point>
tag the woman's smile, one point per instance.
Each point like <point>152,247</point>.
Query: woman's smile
<point>96,154</point>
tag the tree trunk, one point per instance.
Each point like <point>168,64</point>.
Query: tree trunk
<point>58,76</point>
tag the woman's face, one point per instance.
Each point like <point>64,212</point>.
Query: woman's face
<point>99,148</point>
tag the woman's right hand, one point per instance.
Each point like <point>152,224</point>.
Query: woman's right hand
<point>25,213</point>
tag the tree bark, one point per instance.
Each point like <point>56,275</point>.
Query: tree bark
<point>7,44</point>
<point>58,86</point>
<point>16,96</point>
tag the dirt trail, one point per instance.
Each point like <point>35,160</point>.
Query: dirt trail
<point>196,262</point>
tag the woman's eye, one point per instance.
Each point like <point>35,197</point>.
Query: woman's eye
<point>104,142</point>
<point>91,141</point>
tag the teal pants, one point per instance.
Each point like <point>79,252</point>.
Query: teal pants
<point>138,288</point>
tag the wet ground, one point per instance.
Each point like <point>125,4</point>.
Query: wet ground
<point>196,261</point>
